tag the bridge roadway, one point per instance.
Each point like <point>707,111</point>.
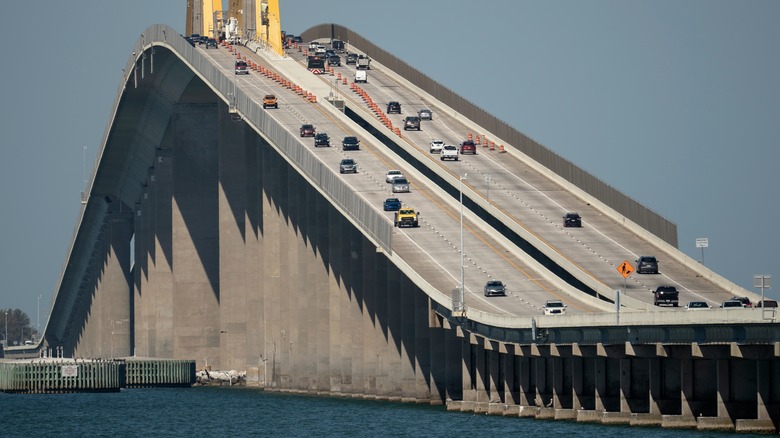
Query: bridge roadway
<point>517,189</point>
<point>433,248</point>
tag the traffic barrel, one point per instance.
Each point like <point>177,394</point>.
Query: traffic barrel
<point>501,149</point>
<point>492,146</point>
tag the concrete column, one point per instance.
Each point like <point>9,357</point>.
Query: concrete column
<point>161,336</point>
<point>625,385</point>
<point>453,367</point>
<point>438,371</point>
<point>511,392</point>
<point>117,283</point>
<point>394,335</point>
<point>724,388</point>
<point>370,262</point>
<point>577,383</point>
<point>140,274</point>
<point>468,371</point>
<point>383,349</point>
<point>558,390</point>
<point>320,335</point>
<point>408,353</point>
<point>525,380</point>
<point>272,260</point>
<point>422,345</point>
<point>764,385</point>
<point>686,384</point>
<point>482,372</point>
<point>253,265</point>
<point>232,201</point>
<point>600,382</point>
<point>655,386</point>
<point>542,379</point>
<point>195,225</point>
<point>290,275</point>
<point>494,384</point>
<point>336,291</point>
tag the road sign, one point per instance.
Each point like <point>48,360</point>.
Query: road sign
<point>702,242</point>
<point>625,269</point>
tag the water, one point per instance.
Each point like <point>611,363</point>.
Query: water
<point>239,412</point>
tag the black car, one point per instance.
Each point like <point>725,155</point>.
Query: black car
<point>190,40</point>
<point>334,60</point>
<point>321,139</point>
<point>337,45</point>
<point>350,143</point>
<point>394,107</point>
<point>211,42</point>
<point>646,265</point>
<point>495,287</point>
<point>352,58</point>
<point>572,220</point>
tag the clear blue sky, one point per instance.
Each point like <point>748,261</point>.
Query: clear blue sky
<point>676,103</point>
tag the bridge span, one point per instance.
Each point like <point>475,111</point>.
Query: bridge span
<point>213,231</point>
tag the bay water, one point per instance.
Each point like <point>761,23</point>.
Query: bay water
<point>248,412</point>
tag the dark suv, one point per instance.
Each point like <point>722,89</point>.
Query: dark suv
<point>350,143</point>
<point>572,220</point>
<point>468,147</point>
<point>394,107</point>
<point>666,295</point>
<point>412,122</point>
<point>321,139</point>
<point>646,265</point>
<point>351,58</point>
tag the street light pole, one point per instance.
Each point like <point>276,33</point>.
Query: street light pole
<point>462,252</point>
<point>6,328</point>
<point>38,327</point>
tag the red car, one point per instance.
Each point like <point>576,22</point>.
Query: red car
<point>307,130</point>
<point>468,147</point>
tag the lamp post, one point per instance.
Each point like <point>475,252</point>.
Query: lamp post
<point>6,327</point>
<point>38,326</point>
<point>462,252</point>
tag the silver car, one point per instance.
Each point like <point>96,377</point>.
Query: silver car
<point>400,185</point>
<point>348,165</point>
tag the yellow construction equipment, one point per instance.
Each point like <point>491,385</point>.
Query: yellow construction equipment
<point>242,21</point>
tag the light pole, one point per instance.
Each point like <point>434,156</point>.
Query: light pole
<point>462,252</point>
<point>6,327</point>
<point>38,328</point>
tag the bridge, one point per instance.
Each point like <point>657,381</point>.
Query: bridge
<point>214,231</point>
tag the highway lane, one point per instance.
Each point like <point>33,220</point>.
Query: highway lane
<point>435,246</point>
<point>537,203</point>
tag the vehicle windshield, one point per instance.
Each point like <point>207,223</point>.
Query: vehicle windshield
<point>399,181</point>
<point>449,148</point>
<point>697,304</point>
<point>554,304</point>
<point>407,211</point>
<point>494,283</point>
<point>347,162</point>
<point>350,139</point>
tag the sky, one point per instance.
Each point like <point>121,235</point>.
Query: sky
<point>675,103</point>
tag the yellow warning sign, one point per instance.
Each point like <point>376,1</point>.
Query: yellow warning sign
<point>625,269</point>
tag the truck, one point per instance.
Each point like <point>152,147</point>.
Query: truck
<point>316,64</point>
<point>231,30</point>
<point>361,76</point>
<point>406,217</point>
<point>449,152</point>
<point>667,295</point>
<point>363,63</point>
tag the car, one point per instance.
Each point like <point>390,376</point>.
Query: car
<point>468,147</point>
<point>697,305</point>
<point>646,265</point>
<point>495,287</point>
<point>554,307</point>
<point>406,217</point>
<point>350,143</point>
<point>337,45</point>
<point>436,146</point>
<point>334,60</point>
<point>211,42</point>
<point>393,107</point>
<point>190,40</point>
<point>744,300</point>
<point>241,68</point>
<point>392,204</point>
<point>400,185</point>
<point>307,130</point>
<point>425,114</point>
<point>298,39</point>
<point>347,165</point>
<point>392,175</point>
<point>270,101</point>
<point>321,139</point>
<point>203,40</point>
<point>411,122</point>
<point>732,304</point>
<point>330,52</point>
<point>352,58</point>
<point>766,304</point>
<point>666,295</point>
<point>572,220</point>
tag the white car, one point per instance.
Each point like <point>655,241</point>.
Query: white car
<point>449,152</point>
<point>436,146</point>
<point>392,175</point>
<point>554,307</point>
<point>697,305</point>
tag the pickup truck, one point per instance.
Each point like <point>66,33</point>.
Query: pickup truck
<point>406,217</point>
<point>667,295</point>
<point>449,152</point>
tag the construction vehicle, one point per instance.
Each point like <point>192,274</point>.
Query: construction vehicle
<point>316,64</point>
